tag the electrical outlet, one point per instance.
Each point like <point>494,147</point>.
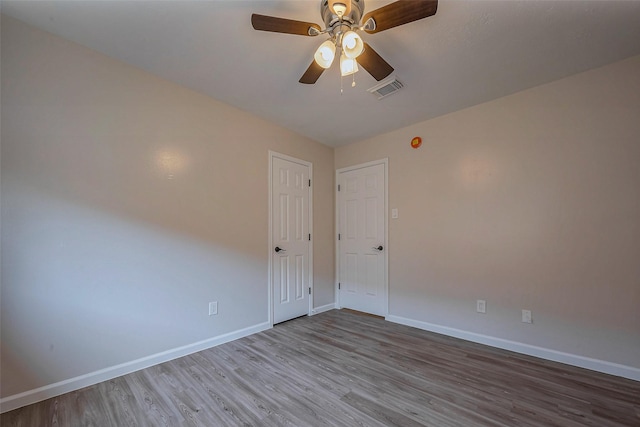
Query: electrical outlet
<point>213,308</point>
<point>481,306</point>
<point>526,316</point>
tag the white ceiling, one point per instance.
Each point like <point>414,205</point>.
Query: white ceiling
<point>470,52</point>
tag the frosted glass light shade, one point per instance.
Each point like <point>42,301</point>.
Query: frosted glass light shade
<point>325,53</point>
<point>352,44</point>
<point>348,65</point>
<point>340,7</point>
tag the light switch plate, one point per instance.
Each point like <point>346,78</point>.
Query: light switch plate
<point>481,306</point>
<point>213,308</point>
<point>394,213</point>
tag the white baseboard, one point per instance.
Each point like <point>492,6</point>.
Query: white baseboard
<point>323,308</point>
<point>530,350</point>
<point>51,390</point>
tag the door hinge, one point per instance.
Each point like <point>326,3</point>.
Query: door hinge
<point>309,236</point>
<point>309,183</point>
<point>338,187</point>
<point>338,236</point>
<point>309,290</point>
<point>338,285</point>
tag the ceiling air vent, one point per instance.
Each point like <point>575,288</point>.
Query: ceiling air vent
<point>386,88</point>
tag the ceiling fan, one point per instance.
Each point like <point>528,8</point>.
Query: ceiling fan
<point>342,19</point>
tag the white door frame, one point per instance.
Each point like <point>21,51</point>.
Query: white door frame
<point>384,162</point>
<point>273,154</point>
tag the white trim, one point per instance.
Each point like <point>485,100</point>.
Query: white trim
<point>19,400</point>
<point>270,242</point>
<point>385,163</point>
<point>323,308</point>
<point>386,234</point>
<point>336,250</point>
<point>272,155</point>
<point>530,350</point>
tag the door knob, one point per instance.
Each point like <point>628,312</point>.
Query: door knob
<point>379,248</point>
<point>279,249</point>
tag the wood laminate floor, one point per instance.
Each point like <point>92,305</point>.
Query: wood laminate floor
<point>340,368</point>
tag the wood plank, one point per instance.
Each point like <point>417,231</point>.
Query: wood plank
<point>343,368</point>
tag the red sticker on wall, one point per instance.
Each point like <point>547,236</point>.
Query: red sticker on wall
<point>416,142</point>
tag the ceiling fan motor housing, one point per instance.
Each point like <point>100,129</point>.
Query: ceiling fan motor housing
<point>333,22</point>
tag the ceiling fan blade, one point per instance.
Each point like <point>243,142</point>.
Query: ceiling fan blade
<point>374,64</point>
<point>312,74</point>
<point>282,25</point>
<point>400,13</point>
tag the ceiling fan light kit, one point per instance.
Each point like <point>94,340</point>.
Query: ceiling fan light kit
<point>352,44</point>
<point>348,65</point>
<point>325,54</point>
<point>342,19</point>
<point>340,7</point>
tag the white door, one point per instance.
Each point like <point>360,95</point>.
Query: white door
<point>362,248</point>
<point>291,241</point>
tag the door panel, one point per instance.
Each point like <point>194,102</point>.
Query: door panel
<point>284,279</point>
<point>361,225</point>
<point>290,233</point>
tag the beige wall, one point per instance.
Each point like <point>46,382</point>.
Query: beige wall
<point>128,203</point>
<point>531,201</point>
